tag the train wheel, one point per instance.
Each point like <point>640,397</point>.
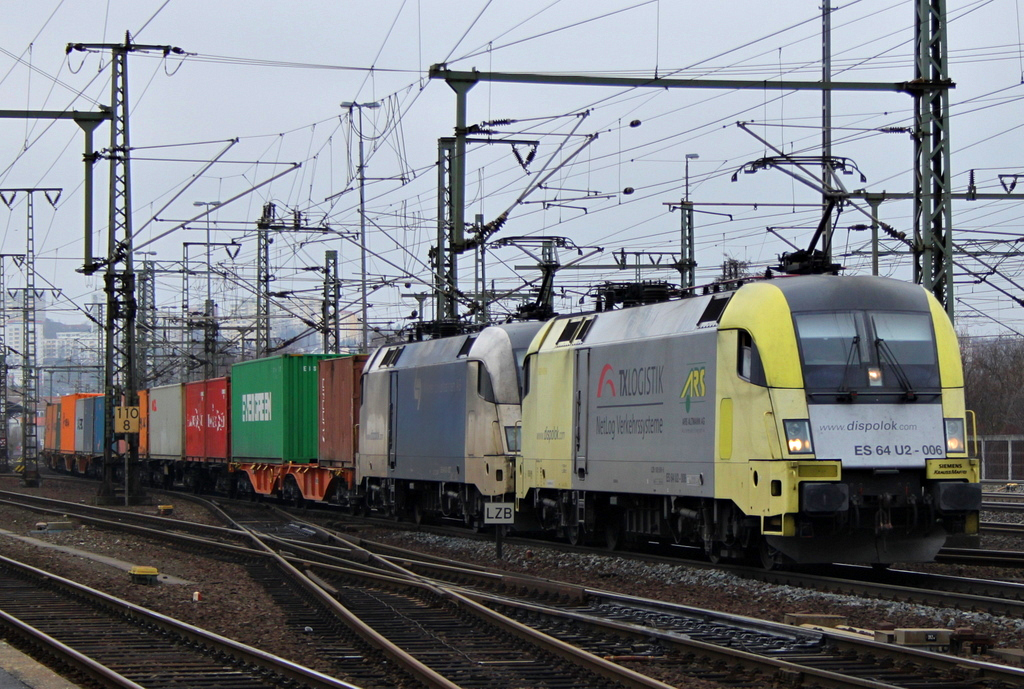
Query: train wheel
<point>770,557</point>
<point>713,551</point>
<point>574,533</point>
<point>613,533</point>
<point>417,513</point>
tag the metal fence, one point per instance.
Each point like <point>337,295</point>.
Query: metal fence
<point>1002,457</point>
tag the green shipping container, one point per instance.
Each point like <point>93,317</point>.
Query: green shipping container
<point>274,409</point>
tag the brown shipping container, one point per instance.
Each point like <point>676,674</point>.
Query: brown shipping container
<point>339,410</point>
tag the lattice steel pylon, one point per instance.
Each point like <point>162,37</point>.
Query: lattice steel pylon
<point>146,323</point>
<point>332,295</point>
<point>263,240</point>
<point>5,464</point>
<point>933,217</point>
<point>445,260</point>
<point>121,384</point>
<point>30,381</point>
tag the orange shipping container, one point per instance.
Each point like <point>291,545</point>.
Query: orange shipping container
<point>67,420</point>
<point>143,423</point>
<point>51,429</point>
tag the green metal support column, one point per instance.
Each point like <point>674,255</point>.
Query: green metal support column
<point>933,217</point>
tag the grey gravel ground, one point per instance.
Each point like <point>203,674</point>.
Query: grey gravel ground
<point>235,606</point>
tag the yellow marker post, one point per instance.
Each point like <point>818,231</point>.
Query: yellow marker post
<point>126,419</point>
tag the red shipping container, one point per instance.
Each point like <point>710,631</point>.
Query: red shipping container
<point>206,420</point>
<point>339,410</point>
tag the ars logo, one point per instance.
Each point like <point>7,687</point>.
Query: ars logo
<point>694,386</point>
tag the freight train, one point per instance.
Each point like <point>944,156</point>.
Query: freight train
<point>800,419</point>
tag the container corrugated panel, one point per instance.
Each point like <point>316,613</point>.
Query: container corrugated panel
<point>195,419</point>
<point>83,425</point>
<point>51,427</point>
<point>206,419</point>
<point>67,420</point>
<point>339,410</point>
<point>274,408</point>
<point>143,423</point>
<point>97,423</point>
<point>165,422</point>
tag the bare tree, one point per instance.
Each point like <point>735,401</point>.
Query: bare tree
<point>993,375</point>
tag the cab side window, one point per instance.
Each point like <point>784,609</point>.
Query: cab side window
<point>527,365</point>
<point>748,360</point>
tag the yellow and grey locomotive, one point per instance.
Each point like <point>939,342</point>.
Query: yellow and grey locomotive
<point>805,419</point>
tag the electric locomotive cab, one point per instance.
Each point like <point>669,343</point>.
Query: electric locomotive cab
<point>440,422</point>
<point>884,398</point>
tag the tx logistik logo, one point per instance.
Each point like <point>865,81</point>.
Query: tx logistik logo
<point>694,387</point>
<point>606,379</point>
<point>633,382</point>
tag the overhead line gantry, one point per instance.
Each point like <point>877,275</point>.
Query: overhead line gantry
<point>933,245</point>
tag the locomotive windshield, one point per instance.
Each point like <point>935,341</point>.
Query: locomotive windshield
<point>868,352</point>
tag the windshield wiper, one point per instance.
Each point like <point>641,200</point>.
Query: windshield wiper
<point>885,352</point>
<point>846,394</point>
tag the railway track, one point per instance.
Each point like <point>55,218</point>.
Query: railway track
<point>435,632</point>
<point>302,543</point>
<point>500,659</point>
<point>115,643</point>
<point>672,634</point>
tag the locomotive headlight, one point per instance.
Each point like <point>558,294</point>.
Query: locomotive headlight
<point>955,436</point>
<point>798,436</point>
<point>874,377</point>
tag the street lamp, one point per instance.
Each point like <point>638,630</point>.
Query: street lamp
<point>688,255</point>
<point>362,215</point>
<point>689,157</point>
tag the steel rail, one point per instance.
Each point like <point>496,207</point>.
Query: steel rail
<point>572,654</point>
<point>995,671</point>
<point>399,561</point>
<point>144,531</point>
<point>267,661</point>
<point>769,665</point>
<point>53,505</point>
<point>79,661</point>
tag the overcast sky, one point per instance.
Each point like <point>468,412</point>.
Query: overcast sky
<point>273,76</point>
